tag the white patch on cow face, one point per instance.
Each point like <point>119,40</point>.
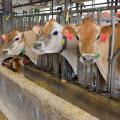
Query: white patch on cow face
<point>16,46</point>
<point>55,41</point>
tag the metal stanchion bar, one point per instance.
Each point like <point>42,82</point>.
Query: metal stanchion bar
<point>111,49</point>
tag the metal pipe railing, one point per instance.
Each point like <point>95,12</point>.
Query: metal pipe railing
<point>74,11</point>
<point>111,49</point>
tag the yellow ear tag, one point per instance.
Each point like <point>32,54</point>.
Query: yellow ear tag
<point>67,17</point>
<point>62,42</point>
<point>7,18</point>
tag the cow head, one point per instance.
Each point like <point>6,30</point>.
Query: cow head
<point>52,37</point>
<point>88,32</point>
<point>16,45</point>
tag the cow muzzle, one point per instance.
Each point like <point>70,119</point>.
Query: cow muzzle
<point>39,46</point>
<point>87,58</point>
<point>5,51</point>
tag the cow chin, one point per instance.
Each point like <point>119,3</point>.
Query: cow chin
<point>52,51</point>
<point>37,51</point>
<point>46,51</point>
<point>86,62</point>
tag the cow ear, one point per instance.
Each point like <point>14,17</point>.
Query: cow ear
<point>69,32</point>
<point>5,38</point>
<point>37,29</point>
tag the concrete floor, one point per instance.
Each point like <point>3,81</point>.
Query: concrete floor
<point>102,107</point>
<point>24,100</point>
<point>2,117</point>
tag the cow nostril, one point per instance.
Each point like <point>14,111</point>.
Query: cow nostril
<point>5,52</point>
<point>88,58</point>
<point>40,44</point>
<point>37,45</point>
<point>84,58</point>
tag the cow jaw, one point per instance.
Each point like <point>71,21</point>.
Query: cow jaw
<point>16,49</point>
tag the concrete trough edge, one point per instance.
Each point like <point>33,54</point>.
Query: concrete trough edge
<point>65,108</point>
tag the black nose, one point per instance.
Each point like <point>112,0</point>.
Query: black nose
<point>5,52</point>
<point>88,58</point>
<point>37,45</point>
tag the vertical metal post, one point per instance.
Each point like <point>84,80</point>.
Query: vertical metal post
<point>66,6</point>
<point>78,15</point>
<point>71,17</point>
<point>99,14</point>
<point>52,8</point>
<point>81,7</point>
<point>59,14</point>
<point>66,10</point>
<point>1,24</point>
<point>108,1</point>
<point>38,20</point>
<point>93,6</point>
<point>26,20</point>
<point>111,48</point>
<point>29,23</point>
<point>16,20</point>
<point>116,3</point>
<point>7,13</point>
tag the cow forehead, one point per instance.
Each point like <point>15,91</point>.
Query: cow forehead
<point>88,29</point>
<point>19,34</point>
<point>50,27</point>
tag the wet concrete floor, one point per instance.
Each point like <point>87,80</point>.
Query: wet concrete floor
<point>99,106</point>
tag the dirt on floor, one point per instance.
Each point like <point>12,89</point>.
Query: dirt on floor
<point>2,117</point>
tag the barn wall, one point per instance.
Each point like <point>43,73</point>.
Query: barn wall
<point>21,99</point>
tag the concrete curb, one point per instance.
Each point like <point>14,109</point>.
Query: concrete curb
<point>28,101</point>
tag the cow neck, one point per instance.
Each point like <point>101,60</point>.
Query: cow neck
<point>30,38</point>
<point>70,53</point>
<point>24,39</point>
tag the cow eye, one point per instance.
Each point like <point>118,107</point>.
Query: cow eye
<point>55,33</point>
<point>77,37</point>
<point>16,39</point>
<point>98,37</point>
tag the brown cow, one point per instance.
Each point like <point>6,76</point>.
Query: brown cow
<point>94,47</point>
<point>88,32</point>
<point>55,38</point>
<point>103,47</point>
<point>21,43</point>
<point>7,60</point>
